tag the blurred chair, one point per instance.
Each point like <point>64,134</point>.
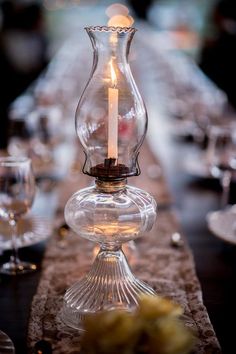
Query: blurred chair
<point>23,52</point>
<point>218,55</point>
<point>140,7</point>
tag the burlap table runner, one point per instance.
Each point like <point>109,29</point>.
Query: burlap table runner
<point>169,270</point>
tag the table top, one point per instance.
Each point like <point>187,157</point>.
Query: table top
<point>192,199</point>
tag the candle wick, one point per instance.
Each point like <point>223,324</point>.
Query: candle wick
<point>110,162</point>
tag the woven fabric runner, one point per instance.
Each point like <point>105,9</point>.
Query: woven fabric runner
<point>170,271</point>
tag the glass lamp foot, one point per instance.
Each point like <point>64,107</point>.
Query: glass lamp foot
<point>109,285</point>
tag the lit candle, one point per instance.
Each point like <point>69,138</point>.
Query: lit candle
<point>113,95</point>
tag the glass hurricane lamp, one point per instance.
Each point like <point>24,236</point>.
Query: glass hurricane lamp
<point>111,122</point>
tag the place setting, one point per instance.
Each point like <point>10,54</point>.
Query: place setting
<point>18,227</point>
<point>85,189</point>
<point>222,224</point>
<point>222,154</point>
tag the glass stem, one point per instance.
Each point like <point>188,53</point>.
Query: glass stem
<point>225,182</point>
<point>110,247</point>
<point>14,257</point>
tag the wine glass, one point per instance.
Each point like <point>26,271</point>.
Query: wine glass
<point>17,189</point>
<point>222,156</point>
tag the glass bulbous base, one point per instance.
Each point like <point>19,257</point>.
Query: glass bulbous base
<point>109,213</point>
<point>109,285</point>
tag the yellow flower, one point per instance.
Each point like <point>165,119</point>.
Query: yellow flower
<point>152,307</point>
<point>153,328</point>
<point>110,332</point>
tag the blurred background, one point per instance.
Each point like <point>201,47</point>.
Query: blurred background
<point>32,31</point>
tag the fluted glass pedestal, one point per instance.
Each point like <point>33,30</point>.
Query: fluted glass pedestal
<point>110,213</point>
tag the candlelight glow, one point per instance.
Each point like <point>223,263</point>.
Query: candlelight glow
<point>131,20</point>
<point>119,21</point>
<point>95,251</point>
<point>116,9</point>
<point>114,230</point>
<point>119,16</point>
<point>113,74</point>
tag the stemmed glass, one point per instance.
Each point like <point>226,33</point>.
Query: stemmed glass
<point>17,190</point>
<point>222,157</point>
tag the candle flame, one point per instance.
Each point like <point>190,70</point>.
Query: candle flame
<point>120,21</point>
<point>119,16</point>
<point>113,74</point>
